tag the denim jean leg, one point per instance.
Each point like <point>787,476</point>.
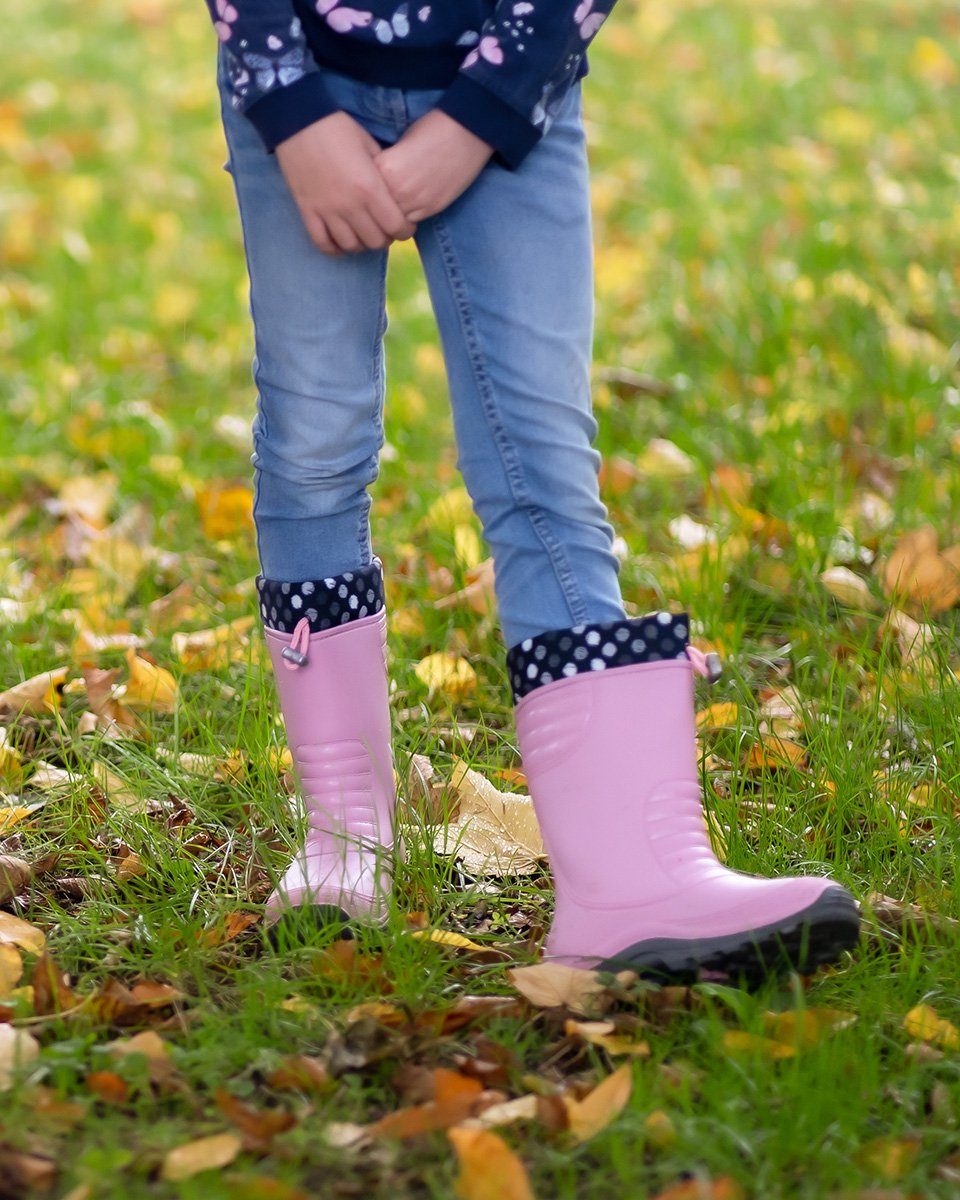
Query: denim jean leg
<point>510,269</point>
<point>318,365</point>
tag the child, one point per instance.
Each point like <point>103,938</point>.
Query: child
<point>459,123</point>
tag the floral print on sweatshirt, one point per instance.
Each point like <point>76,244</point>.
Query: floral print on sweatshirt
<point>505,66</point>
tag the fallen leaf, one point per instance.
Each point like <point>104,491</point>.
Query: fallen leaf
<point>11,969</point>
<point>923,1023</point>
<point>51,993</point>
<point>808,1027</point>
<point>740,1042</point>
<point>447,673</point>
<point>722,715</point>
<point>489,1169</point>
<point>149,686</point>
<point>15,874</point>
<point>225,510</point>
<point>553,985</point>
<point>850,589</point>
<point>723,1188</point>
<point>890,1158</point>
<point>14,932</point>
<point>108,1086</point>
<point>258,1125</point>
<point>38,695</point>
<point>603,1034</point>
<point>17,1050</point>
<point>300,1073</point>
<point>203,1154</point>
<point>660,1130</point>
<point>213,649</point>
<point>600,1107</point>
<point>493,832</point>
<point>918,575</point>
<point>446,937</point>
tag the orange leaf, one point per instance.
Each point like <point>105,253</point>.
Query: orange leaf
<point>108,1086</point>
<point>604,1104</point>
<point>489,1170</point>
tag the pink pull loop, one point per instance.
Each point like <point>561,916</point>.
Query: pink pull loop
<point>710,666</point>
<point>295,655</point>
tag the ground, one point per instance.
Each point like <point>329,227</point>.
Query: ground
<point>777,216</point>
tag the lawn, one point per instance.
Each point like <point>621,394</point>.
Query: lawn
<point>777,219</point>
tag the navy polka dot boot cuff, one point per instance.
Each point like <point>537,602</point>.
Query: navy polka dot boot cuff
<point>324,602</point>
<point>560,653</point>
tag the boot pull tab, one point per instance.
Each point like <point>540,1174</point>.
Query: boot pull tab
<point>710,666</point>
<point>295,655</point>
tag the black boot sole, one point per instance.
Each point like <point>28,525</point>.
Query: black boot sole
<point>811,938</point>
<point>310,924</point>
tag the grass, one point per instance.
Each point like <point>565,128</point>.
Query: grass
<point>777,216</point>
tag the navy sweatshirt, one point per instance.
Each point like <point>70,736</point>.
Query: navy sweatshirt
<point>505,65</point>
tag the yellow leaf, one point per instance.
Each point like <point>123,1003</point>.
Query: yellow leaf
<point>931,63</point>
<point>603,1034</point>
<point>14,932</point>
<point>174,303</point>
<point>889,1157</point>
<point>211,649</point>
<point>11,968</point>
<point>602,1106</point>
<point>739,1042</point>
<point>204,1154</point>
<point>772,752</point>
<point>489,1170</point>
<point>663,459</point>
<point>89,497</point>
<point>467,546</point>
<point>37,695</point>
<point>492,832</point>
<point>808,1027</point>
<point>149,686</point>
<point>453,508</point>
<point>225,511</point>
<point>918,574</point>
<point>446,937</point>
<point>722,715</point>
<point>660,1130</point>
<point>117,790</point>
<point>922,1022</point>
<point>447,673</point>
<point>12,814</point>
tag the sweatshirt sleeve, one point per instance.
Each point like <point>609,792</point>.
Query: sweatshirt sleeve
<point>526,57</point>
<point>274,79</point>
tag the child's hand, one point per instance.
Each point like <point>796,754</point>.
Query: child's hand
<point>432,164</point>
<point>343,199</point>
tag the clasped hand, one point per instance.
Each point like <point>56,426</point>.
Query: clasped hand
<point>353,195</point>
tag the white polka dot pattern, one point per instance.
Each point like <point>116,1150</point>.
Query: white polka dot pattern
<point>560,653</point>
<point>324,602</point>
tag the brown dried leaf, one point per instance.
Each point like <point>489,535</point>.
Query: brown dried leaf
<point>300,1073</point>
<point>15,876</point>
<point>51,992</point>
<point>259,1126</point>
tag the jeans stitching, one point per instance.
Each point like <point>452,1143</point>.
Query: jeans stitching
<point>505,448</point>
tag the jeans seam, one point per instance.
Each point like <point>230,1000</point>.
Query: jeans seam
<point>505,448</point>
<point>378,382</point>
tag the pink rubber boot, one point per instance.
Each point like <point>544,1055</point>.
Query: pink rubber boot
<point>333,692</point>
<point>609,752</point>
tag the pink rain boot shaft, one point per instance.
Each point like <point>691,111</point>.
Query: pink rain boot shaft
<point>610,759</point>
<point>334,698</point>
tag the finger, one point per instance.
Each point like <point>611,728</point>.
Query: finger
<point>390,216</point>
<point>371,235</point>
<point>343,235</point>
<point>320,235</point>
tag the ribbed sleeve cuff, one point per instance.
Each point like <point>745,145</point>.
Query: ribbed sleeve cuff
<point>286,110</point>
<point>491,119</point>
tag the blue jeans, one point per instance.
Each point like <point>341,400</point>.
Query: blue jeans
<point>509,268</point>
